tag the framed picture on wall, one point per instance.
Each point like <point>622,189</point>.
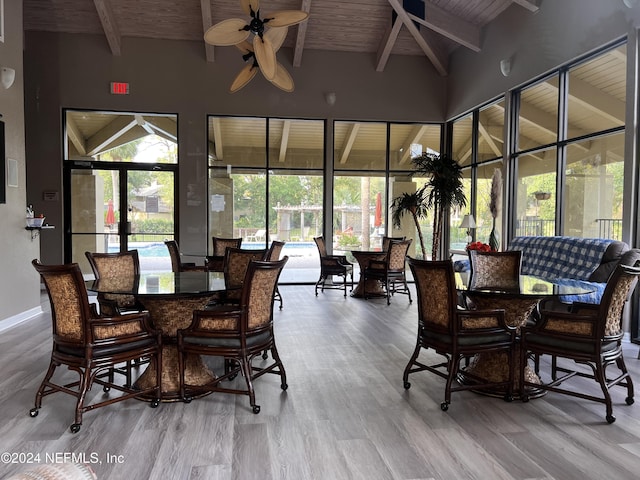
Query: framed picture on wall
<point>1,20</point>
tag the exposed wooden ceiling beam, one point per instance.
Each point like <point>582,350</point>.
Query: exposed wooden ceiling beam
<point>416,132</point>
<point>302,32</point>
<point>388,41</point>
<point>348,143</point>
<point>484,134</point>
<point>207,21</point>
<point>103,7</point>
<point>284,141</point>
<point>163,127</point>
<point>76,137</point>
<point>217,139</point>
<point>106,136</point>
<point>531,5</point>
<point>450,26</point>
<point>438,60</point>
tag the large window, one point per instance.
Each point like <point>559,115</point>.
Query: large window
<point>477,144</point>
<point>570,166</point>
<point>266,183</point>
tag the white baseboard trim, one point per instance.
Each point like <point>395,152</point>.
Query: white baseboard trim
<point>22,317</point>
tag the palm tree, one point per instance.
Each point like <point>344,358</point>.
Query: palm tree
<point>414,203</point>
<point>443,190</point>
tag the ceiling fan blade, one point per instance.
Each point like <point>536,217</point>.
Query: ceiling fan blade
<point>247,5</point>
<point>265,56</point>
<point>285,18</point>
<point>276,36</point>
<point>227,32</point>
<point>245,47</point>
<point>244,77</point>
<point>283,80</point>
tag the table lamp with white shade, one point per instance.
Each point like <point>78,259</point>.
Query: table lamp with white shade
<point>469,223</point>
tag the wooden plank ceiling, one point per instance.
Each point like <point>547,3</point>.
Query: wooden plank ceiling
<point>433,28</point>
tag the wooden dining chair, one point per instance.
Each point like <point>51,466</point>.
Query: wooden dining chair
<point>332,265</point>
<point>590,335</point>
<point>390,272</point>
<point>92,345</point>
<point>455,333</point>
<point>124,266</point>
<point>177,265</point>
<point>236,262</point>
<point>273,255</point>
<point>237,333</point>
<point>495,270</point>
<point>215,262</point>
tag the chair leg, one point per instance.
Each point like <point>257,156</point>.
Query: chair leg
<point>388,288</point>
<point>407,369</point>
<point>40,393</point>
<point>623,368</point>
<point>247,370</point>
<point>454,366</point>
<point>600,377</point>
<point>85,382</point>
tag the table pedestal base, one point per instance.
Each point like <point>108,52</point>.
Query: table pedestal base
<point>494,367</point>
<point>196,373</point>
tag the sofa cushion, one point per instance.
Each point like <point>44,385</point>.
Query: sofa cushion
<point>608,265</point>
<point>560,256</point>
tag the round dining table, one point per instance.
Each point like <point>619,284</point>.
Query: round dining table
<point>518,303</point>
<point>170,299</point>
<point>373,287</point>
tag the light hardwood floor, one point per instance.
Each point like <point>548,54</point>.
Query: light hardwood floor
<point>345,415</point>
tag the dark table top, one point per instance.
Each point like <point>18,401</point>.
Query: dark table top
<point>160,283</point>
<point>535,287</point>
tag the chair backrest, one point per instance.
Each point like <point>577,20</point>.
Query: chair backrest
<point>122,265</point>
<point>495,270</point>
<point>386,242</point>
<point>275,250</point>
<point>437,296</point>
<point>114,264</point>
<point>220,245</point>
<point>260,283</point>
<point>69,302</point>
<point>322,247</point>
<point>619,288</point>
<point>397,254</point>
<point>236,262</point>
<point>174,254</point>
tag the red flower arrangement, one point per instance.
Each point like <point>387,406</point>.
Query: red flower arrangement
<point>483,247</point>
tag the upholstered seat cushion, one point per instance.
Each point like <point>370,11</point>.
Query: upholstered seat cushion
<point>568,345</point>
<point>106,351</point>
<point>470,340</point>
<point>252,340</point>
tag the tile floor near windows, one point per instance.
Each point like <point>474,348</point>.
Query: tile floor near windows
<point>345,414</point>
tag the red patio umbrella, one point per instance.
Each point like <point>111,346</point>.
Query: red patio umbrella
<point>111,217</point>
<point>377,221</point>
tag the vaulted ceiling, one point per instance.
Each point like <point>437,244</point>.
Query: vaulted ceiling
<point>433,28</point>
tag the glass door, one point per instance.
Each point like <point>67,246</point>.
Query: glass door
<point>121,208</point>
<point>119,184</point>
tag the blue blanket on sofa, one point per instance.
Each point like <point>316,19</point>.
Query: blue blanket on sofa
<point>560,257</point>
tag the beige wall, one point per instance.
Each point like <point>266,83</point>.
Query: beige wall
<point>19,282</point>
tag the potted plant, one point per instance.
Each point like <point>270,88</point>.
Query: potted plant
<point>442,191</point>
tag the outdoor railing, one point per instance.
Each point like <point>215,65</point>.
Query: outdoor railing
<point>609,228</point>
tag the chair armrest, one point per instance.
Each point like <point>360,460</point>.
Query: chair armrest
<point>341,258</point>
<point>133,325</point>
<point>483,321</point>
<point>222,318</point>
<point>566,323</point>
<point>333,261</point>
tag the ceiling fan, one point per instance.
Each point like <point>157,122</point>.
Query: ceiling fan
<point>268,32</point>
